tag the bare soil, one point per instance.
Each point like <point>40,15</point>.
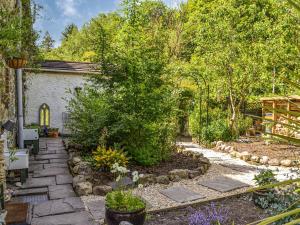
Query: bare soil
<point>176,161</point>
<point>240,210</point>
<point>258,147</point>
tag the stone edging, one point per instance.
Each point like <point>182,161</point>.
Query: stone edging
<point>81,172</point>
<point>247,157</point>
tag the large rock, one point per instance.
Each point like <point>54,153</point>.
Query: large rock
<point>163,179</point>
<point>147,179</point>
<point>233,154</point>
<point>83,168</point>
<point>102,190</point>
<point>274,162</point>
<point>76,160</point>
<point>194,173</point>
<point>255,159</point>
<point>78,179</point>
<point>264,160</point>
<point>219,143</point>
<point>84,188</point>
<point>222,148</point>
<point>227,148</point>
<point>286,162</point>
<point>246,156</point>
<point>178,174</point>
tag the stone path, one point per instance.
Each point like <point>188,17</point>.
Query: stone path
<point>49,190</point>
<point>248,170</point>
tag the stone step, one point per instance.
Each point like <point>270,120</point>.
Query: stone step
<point>50,172</point>
<point>55,165</point>
<point>39,182</point>
<point>31,191</point>
<point>52,156</point>
<point>61,191</point>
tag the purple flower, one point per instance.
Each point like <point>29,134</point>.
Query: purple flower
<point>209,216</point>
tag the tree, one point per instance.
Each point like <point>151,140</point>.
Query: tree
<point>69,30</point>
<point>47,42</point>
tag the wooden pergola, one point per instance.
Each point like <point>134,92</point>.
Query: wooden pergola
<point>271,106</point>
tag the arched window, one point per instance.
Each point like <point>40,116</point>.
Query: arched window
<point>44,115</point>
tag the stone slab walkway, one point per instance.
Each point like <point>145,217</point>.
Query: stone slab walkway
<point>49,189</point>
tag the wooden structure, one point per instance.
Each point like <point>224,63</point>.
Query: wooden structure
<point>271,107</point>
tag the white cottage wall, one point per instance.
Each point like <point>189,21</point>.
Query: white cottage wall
<point>50,88</point>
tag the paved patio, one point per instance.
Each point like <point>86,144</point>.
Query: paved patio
<point>49,189</point>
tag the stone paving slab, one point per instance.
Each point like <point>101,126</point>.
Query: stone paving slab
<point>58,160</point>
<point>35,167</point>
<point>56,165</point>
<point>61,206</point>
<point>30,191</point>
<point>39,182</point>
<point>35,162</point>
<point>61,191</point>
<point>52,156</point>
<point>97,209</point>
<point>223,184</point>
<point>181,194</point>
<point>64,179</point>
<point>50,172</point>
<point>46,152</point>
<point>77,218</point>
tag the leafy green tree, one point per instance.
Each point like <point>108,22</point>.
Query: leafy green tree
<point>47,42</point>
<point>69,30</point>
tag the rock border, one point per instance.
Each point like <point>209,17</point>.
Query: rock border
<point>247,157</point>
<point>81,172</point>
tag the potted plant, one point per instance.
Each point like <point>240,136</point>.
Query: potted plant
<point>262,196</point>
<point>121,205</point>
<point>53,132</point>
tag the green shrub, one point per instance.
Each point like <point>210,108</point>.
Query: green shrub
<point>265,177</point>
<point>124,201</point>
<point>244,124</point>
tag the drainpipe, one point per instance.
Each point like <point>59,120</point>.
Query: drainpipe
<point>19,80</point>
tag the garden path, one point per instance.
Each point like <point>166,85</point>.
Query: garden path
<point>248,171</point>
<point>49,189</point>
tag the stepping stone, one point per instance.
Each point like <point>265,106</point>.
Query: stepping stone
<point>35,167</point>
<point>181,194</point>
<point>39,182</point>
<point>76,218</point>
<point>32,199</point>
<point>223,184</point>
<point>31,191</point>
<point>61,152</point>
<point>52,156</point>
<point>56,165</point>
<point>64,179</point>
<point>58,160</point>
<point>61,191</point>
<point>50,172</point>
<point>35,162</point>
<point>124,182</point>
<point>97,209</point>
<point>61,206</point>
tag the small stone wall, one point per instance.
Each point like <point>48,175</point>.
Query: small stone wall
<point>247,157</point>
<point>83,173</point>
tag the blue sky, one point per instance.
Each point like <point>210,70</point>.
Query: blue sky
<point>56,14</point>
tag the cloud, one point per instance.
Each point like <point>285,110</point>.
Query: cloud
<point>68,7</point>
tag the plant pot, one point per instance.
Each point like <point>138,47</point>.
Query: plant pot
<point>115,218</point>
<point>53,134</point>
<point>16,63</point>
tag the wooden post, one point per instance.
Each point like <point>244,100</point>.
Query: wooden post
<point>274,117</point>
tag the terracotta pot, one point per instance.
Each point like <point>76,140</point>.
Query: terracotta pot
<point>53,134</point>
<point>115,218</point>
<point>16,63</point>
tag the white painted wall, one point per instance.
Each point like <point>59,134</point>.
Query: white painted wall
<point>52,89</point>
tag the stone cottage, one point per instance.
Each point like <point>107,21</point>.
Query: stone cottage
<point>48,89</point>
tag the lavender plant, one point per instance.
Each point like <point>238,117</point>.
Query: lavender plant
<point>211,215</point>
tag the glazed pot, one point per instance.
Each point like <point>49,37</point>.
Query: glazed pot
<point>115,218</point>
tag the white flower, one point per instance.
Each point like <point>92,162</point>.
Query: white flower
<point>118,178</point>
<point>140,186</point>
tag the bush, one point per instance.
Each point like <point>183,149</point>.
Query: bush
<point>124,201</point>
<point>106,158</point>
<point>245,124</point>
<point>265,177</point>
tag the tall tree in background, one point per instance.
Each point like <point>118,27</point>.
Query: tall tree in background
<point>69,30</point>
<point>47,42</point>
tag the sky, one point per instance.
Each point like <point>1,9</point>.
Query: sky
<point>55,15</point>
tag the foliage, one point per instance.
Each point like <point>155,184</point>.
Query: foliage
<point>106,158</point>
<point>265,177</point>
<point>211,215</point>
<point>47,42</point>
<point>123,201</point>
<point>136,103</point>
<point>17,37</point>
